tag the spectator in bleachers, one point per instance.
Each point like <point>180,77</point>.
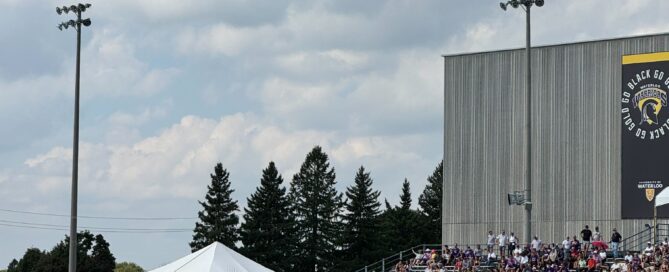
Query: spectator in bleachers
<point>615,242</point>
<point>477,252</point>
<point>491,258</point>
<point>536,243</point>
<point>446,256</point>
<point>502,240</point>
<point>629,257</point>
<point>469,253</point>
<point>513,243</point>
<point>596,236</point>
<point>491,240</point>
<point>586,234</point>
<point>400,267</point>
<point>575,244</point>
<point>455,252</point>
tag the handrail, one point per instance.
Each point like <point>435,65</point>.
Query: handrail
<point>389,262</point>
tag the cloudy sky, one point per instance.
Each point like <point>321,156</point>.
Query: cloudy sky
<point>171,87</point>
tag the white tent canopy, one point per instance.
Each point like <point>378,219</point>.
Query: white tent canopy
<point>662,198</point>
<point>213,258</point>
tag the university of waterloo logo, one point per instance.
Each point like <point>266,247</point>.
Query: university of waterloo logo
<point>644,102</point>
<point>649,187</point>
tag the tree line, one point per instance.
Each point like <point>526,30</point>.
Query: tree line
<point>93,255</point>
<point>313,227</point>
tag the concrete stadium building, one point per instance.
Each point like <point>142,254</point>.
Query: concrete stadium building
<point>576,140</point>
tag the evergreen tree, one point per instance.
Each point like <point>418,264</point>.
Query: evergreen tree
<point>218,221</point>
<point>268,229</point>
<point>317,205</point>
<point>405,197</point>
<point>402,226</point>
<point>430,202</point>
<point>361,230</point>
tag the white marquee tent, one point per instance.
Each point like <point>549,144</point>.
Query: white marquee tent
<point>213,258</point>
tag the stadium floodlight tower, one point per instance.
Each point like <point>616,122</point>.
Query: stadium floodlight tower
<point>527,5</point>
<point>76,24</point>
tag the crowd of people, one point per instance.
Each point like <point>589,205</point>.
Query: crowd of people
<point>505,253</point>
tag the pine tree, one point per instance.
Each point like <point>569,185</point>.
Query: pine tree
<point>268,229</point>
<point>317,206</point>
<point>218,221</point>
<point>402,226</point>
<point>405,197</point>
<point>430,202</point>
<point>361,230</point>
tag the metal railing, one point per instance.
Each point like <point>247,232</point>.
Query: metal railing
<point>388,263</point>
<point>638,241</point>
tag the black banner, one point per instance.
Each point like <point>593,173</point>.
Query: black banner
<point>645,134</point>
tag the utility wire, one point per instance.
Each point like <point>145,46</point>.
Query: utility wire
<point>91,228</point>
<point>101,217</point>
<point>64,228</point>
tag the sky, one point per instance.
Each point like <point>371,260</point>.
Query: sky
<point>169,88</point>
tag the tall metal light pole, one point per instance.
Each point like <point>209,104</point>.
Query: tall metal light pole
<point>77,9</point>
<point>527,5</point>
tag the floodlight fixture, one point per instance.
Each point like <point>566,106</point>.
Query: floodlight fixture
<point>59,11</point>
<point>501,5</point>
<point>516,198</point>
<point>86,22</point>
<point>539,3</point>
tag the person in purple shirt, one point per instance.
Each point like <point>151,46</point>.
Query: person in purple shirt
<point>534,258</point>
<point>636,263</point>
<point>510,264</point>
<point>455,252</point>
<point>469,253</point>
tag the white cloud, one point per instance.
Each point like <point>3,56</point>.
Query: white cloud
<point>227,40</point>
<point>110,67</point>
<point>176,162</point>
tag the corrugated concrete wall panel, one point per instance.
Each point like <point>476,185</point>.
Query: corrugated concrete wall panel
<point>575,139</point>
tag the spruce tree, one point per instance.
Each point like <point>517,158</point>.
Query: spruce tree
<point>317,205</point>
<point>402,226</point>
<point>268,229</point>
<point>218,221</point>
<point>405,197</point>
<point>430,202</point>
<point>361,230</point>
